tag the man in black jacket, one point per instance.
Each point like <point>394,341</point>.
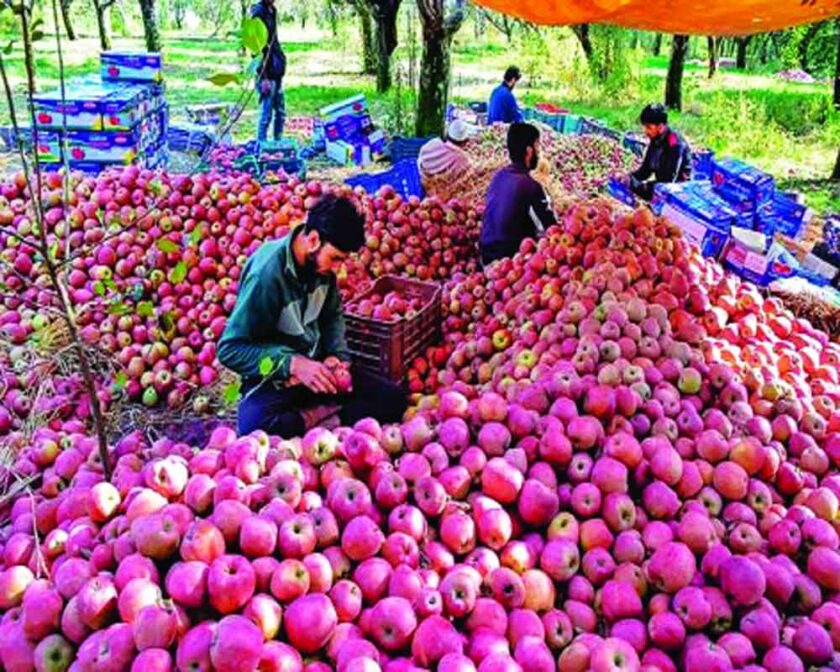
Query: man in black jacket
<point>517,205</point>
<point>270,74</point>
<point>668,156</point>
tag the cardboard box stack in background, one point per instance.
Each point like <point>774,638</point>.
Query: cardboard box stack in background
<point>349,134</point>
<point>704,217</point>
<point>119,118</point>
<point>739,216</point>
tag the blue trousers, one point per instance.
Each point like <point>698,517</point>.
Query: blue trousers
<point>277,411</point>
<point>272,104</point>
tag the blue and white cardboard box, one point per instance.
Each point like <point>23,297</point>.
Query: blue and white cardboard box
<point>123,108</point>
<point>131,66</point>
<point>709,235</point>
<point>80,108</point>
<point>49,146</point>
<point>111,147</point>
<point>621,192</point>
<point>741,184</point>
<point>700,199</point>
<point>783,215</point>
<point>356,105</point>
<point>345,153</point>
<point>762,268</point>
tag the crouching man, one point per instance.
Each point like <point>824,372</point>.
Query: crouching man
<point>286,335</point>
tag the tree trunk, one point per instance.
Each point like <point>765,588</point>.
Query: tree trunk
<point>809,36</point>
<point>434,85</point>
<point>65,17</point>
<point>245,12</point>
<point>673,84</point>
<point>741,54</point>
<point>150,25</point>
<point>764,56</point>
<point>581,31</point>
<point>837,67</point>
<point>657,44</point>
<point>385,15</point>
<point>438,31</point>
<point>835,175</point>
<point>179,10</point>
<point>634,40</point>
<point>713,55</point>
<point>383,62</point>
<point>101,23</point>
<point>368,39</point>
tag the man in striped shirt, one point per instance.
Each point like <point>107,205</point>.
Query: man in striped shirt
<point>446,158</point>
<point>517,205</point>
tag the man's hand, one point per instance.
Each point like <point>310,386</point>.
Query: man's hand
<point>265,87</point>
<point>315,375</point>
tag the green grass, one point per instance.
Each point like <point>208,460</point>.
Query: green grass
<point>788,129</point>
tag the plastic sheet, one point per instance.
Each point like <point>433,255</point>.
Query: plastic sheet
<point>712,17</point>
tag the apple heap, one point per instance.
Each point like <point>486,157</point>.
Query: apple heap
<point>427,240</point>
<point>391,307</point>
<point>153,261</point>
<point>616,499</point>
<point>572,165</point>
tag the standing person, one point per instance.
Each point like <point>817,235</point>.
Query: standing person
<point>668,156</point>
<point>503,107</point>
<point>517,206</point>
<point>271,73</point>
<point>288,315</point>
<point>443,162</point>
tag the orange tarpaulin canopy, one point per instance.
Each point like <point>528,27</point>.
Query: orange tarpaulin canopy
<point>695,17</point>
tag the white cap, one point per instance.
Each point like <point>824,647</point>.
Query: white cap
<point>459,130</point>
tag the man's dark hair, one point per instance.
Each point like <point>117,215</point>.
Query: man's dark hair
<point>512,73</point>
<point>654,114</point>
<point>519,138</point>
<point>338,222</point>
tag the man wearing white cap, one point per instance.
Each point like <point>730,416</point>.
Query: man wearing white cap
<point>443,159</point>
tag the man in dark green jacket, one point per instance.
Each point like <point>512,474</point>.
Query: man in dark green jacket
<point>288,319</point>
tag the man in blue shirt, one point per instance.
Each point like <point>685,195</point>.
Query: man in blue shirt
<point>517,205</point>
<point>502,107</point>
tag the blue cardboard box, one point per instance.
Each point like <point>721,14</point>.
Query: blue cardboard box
<point>762,269</point>
<point>352,106</point>
<point>49,146</point>
<point>701,163</point>
<point>111,147</point>
<point>123,108</point>
<point>785,215</point>
<point>131,66</point>
<point>709,234</point>
<point>80,109</point>
<point>621,192</point>
<point>699,198</point>
<point>741,184</point>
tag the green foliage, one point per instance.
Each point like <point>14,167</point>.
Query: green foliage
<point>266,367</point>
<point>232,393</point>
<point>167,246</point>
<point>254,35</point>
<point>224,78</point>
<point>614,66</point>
